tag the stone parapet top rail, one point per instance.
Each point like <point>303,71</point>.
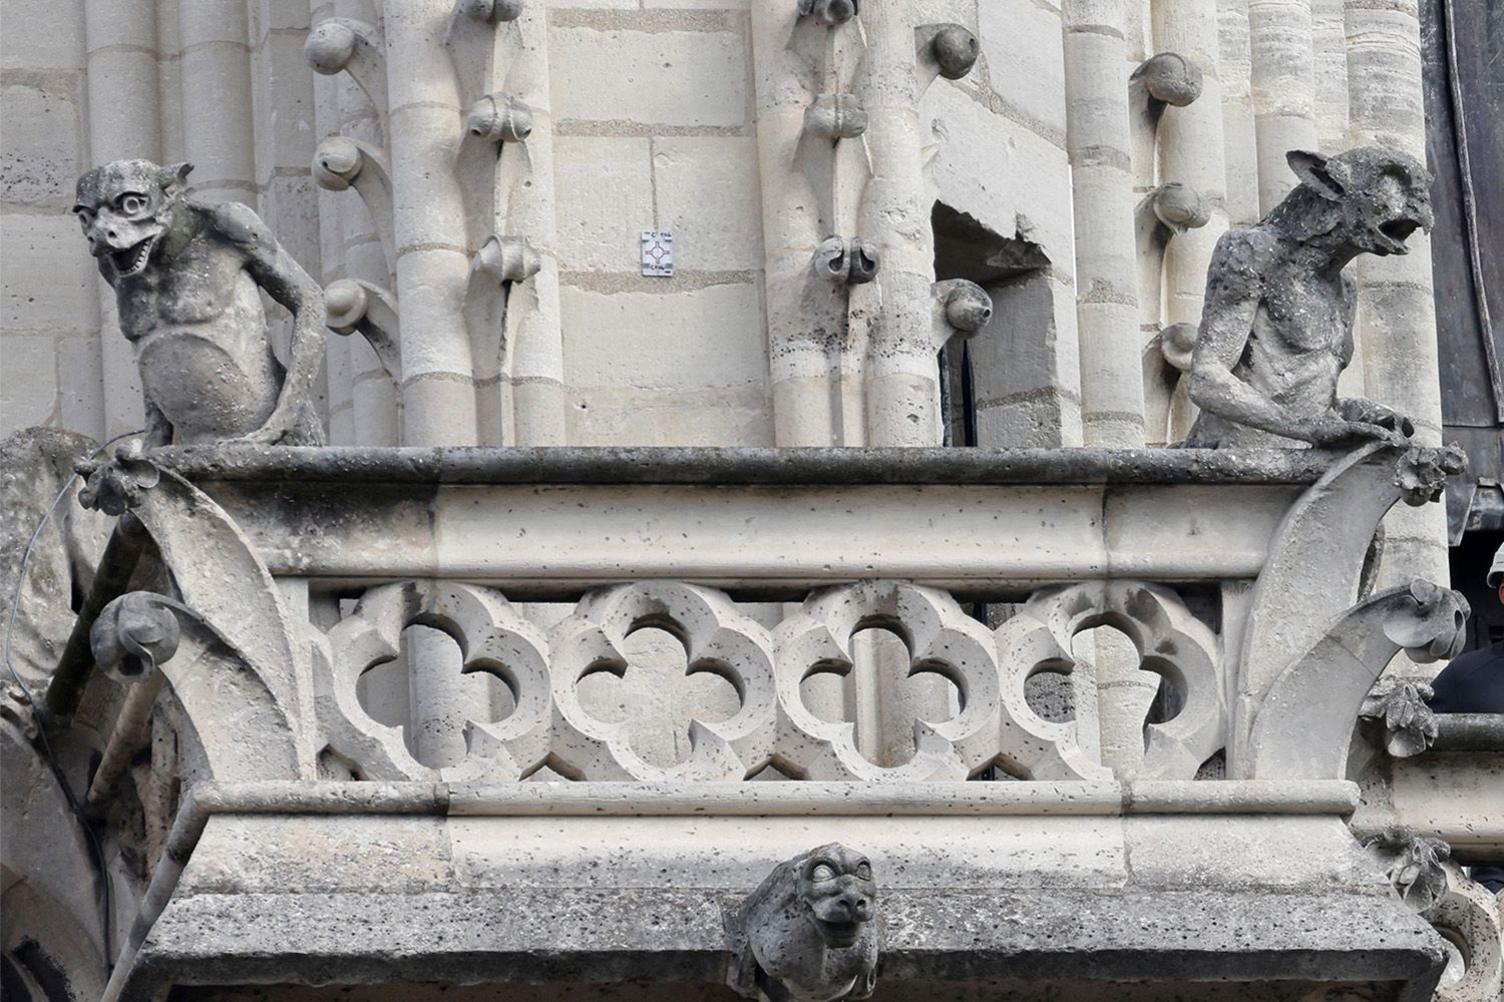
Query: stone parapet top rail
<point>857,799</point>
<point>756,466</point>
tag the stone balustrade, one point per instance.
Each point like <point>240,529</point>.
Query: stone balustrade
<point>256,603</point>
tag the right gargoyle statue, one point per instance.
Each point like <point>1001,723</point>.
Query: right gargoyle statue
<point>188,279</point>
<point>1277,327</point>
<point>809,931</point>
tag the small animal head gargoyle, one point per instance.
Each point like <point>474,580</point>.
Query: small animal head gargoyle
<point>809,931</point>
<point>1376,198</point>
<point>125,207</point>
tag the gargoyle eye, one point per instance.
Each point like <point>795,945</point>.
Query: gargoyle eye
<point>821,872</point>
<point>132,204</point>
<point>85,217</point>
<point>864,870</point>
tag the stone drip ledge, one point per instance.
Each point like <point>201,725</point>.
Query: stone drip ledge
<point>791,799</point>
<point>744,466</point>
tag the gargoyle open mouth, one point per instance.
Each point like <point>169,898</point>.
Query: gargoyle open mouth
<point>132,260</point>
<point>839,934</point>
<point>1396,232</point>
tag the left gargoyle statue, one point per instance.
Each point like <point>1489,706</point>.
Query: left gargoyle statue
<point>187,279</point>
<point>809,932</point>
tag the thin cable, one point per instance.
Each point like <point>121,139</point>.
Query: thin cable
<point>39,713</point>
<point>1470,206</point>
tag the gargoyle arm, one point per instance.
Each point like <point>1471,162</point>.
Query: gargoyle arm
<point>286,282</point>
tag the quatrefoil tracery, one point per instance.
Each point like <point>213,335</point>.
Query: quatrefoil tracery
<point>717,638</point>
<point>493,637</point>
<point>1169,640</point>
<point>941,639</point>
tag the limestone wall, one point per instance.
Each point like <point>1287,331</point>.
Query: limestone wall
<point>675,114</point>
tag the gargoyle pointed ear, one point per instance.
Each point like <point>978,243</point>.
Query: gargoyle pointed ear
<point>175,177</point>
<point>1317,173</point>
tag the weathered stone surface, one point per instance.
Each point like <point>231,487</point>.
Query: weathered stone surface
<point>186,278</point>
<point>528,917</point>
<point>809,932</point>
<point>1398,709</point>
<point>1413,864</point>
<point>1277,330</point>
<point>1303,726</point>
<point>49,546</point>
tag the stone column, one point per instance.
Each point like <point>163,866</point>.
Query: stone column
<point>1330,45</point>
<point>1192,153</point>
<point>1097,141</point>
<point>120,38</point>
<point>1239,135</point>
<point>374,395</point>
<point>1283,88</point>
<point>286,135</point>
<point>424,121</point>
<point>800,345</point>
<point>425,125</point>
<point>327,117</point>
<point>1396,310</point>
<point>536,340</point>
<point>901,376</point>
<point>218,134</point>
<point>170,81</point>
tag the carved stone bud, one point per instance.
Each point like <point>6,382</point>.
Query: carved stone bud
<point>955,51</point>
<point>1179,207</point>
<point>830,261</point>
<point>832,12</point>
<point>1423,470</point>
<point>500,118</point>
<point>352,305</point>
<point>809,931</point>
<point>345,302</point>
<point>835,116</point>
<point>1412,864</point>
<point>337,163</point>
<point>135,633</point>
<point>968,308</point>
<point>491,10</point>
<point>846,262</point>
<point>1399,707</point>
<point>330,46</point>
<point>1171,78</point>
<point>865,260</point>
<point>508,259</point>
<point>1177,343</point>
<point>117,484</point>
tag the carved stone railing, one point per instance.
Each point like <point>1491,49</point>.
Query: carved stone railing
<point>1233,576</point>
<point>250,594</point>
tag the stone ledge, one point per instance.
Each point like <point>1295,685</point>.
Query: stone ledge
<point>553,935</point>
<point>745,466</point>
